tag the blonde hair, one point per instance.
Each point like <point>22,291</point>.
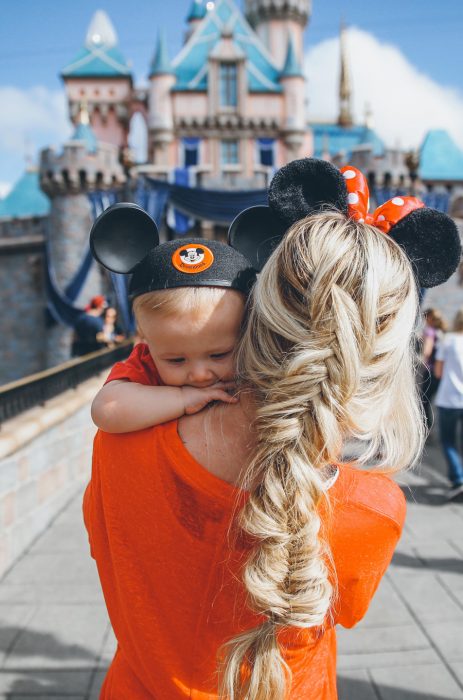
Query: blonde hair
<point>436,319</point>
<point>328,354</point>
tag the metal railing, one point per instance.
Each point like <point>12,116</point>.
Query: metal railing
<point>23,394</point>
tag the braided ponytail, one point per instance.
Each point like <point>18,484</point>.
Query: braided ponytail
<point>327,354</point>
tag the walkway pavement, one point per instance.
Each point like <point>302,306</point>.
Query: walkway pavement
<point>55,639</point>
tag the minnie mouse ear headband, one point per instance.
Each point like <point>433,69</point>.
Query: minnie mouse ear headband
<point>429,238</point>
<point>125,239</point>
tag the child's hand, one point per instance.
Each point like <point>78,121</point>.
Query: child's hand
<point>194,400</point>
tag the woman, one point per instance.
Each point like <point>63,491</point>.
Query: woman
<point>433,333</point>
<point>449,400</point>
<point>231,542</point>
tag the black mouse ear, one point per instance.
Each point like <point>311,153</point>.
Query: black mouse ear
<point>255,233</point>
<point>432,242</point>
<point>122,236</point>
<point>305,187</point>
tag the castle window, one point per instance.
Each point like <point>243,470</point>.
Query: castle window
<point>229,154</point>
<point>228,85</point>
<point>266,152</point>
<point>190,151</point>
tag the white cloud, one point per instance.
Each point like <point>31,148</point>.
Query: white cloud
<point>405,102</point>
<point>29,120</point>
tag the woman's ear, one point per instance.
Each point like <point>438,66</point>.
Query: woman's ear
<point>432,243</point>
<point>255,233</point>
<point>305,187</point>
<point>122,236</point>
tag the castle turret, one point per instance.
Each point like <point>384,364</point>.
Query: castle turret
<point>100,76</point>
<point>84,165</point>
<point>345,89</point>
<point>293,83</point>
<point>273,20</point>
<point>197,12</point>
<point>161,122</point>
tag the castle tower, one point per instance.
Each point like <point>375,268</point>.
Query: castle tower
<point>274,21</point>
<point>100,76</point>
<point>161,121</point>
<point>345,89</point>
<point>293,83</point>
<point>83,166</point>
<point>197,12</point>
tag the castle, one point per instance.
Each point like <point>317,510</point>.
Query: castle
<point>222,115</point>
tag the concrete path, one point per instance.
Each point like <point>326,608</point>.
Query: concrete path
<point>55,639</point>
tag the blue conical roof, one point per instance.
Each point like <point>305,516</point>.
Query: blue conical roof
<point>100,57</point>
<point>440,157</point>
<point>26,198</point>
<point>291,69</point>
<point>197,11</point>
<point>84,132</point>
<point>161,62</point>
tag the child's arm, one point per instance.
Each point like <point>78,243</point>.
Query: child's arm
<point>122,406</point>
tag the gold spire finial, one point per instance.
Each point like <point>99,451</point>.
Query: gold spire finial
<point>345,89</point>
<point>83,116</point>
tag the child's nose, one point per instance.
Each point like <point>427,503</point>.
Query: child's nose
<point>200,373</point>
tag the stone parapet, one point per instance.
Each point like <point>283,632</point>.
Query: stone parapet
<point>45,457</point>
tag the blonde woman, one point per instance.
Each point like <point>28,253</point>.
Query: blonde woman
<point>433,332</point>
<point>449,400</point>
<point>231,542</point>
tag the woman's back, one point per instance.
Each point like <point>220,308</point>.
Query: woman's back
<point>172,581</point>
<point>450,352</point>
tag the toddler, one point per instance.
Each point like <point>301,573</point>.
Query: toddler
<point>188,301</point>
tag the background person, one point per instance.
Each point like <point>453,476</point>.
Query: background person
<point>433,333</point>
<point>88,326</point>
<point>112,333</point>
<point>448,368</point>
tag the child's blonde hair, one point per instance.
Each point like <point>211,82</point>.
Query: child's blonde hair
<point>167,302</point>
<point>328,354</point>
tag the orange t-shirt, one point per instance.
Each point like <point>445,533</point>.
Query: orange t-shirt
<point>158,523</point>
<point>139,367</point>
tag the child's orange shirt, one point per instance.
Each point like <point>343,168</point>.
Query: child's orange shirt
<point>158,527</point>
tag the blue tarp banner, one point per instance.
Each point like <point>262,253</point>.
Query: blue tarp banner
<point>218,206</point>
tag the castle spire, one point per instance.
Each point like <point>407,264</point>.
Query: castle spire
<point>345,89</point>
<point>160,64</point>
<point>291,67</point>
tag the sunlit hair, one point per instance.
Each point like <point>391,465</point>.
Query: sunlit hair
<point>328,353</point>
<point>169,302</point>
<point>458,322</point>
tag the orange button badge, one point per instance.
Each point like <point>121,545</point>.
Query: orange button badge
<point>192,258</point>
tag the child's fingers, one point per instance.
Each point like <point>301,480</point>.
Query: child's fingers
<point>220,395</point>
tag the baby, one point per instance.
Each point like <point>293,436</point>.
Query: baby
<point>185,362</point>
<point>188,301</point>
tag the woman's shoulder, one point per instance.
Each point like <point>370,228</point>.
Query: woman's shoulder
<point>377,493</point>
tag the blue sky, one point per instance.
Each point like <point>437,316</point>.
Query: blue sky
<point>38,37</point>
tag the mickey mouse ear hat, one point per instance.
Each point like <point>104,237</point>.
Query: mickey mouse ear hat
<point>303,187</point>
<point>125,239</point>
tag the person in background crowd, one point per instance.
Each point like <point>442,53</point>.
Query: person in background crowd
<point>88,326</point>
<point>433,333</point>
<point>448,367</point>
<point>112,333</point>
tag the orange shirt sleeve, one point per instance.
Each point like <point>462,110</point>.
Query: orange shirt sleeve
<point>370,525</point>
<point>138,368</point>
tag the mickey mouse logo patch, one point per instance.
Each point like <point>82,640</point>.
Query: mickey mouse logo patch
<point>192,258</point>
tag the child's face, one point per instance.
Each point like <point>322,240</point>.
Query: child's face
<point>195,348</point>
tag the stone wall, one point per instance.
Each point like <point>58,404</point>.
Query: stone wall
<point>22,304</point>
<point>45,457</point>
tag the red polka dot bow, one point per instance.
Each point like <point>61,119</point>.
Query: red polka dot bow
<point>385,216</point>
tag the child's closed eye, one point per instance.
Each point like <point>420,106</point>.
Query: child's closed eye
<point>176,360</point>
<point>218,355</point>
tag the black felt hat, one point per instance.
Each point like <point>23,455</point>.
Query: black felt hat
<point>125,239</point>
